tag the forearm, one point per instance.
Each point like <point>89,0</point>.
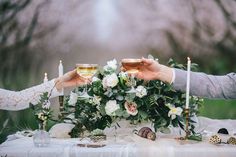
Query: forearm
<point>11,100</point>
<point>204,85</point>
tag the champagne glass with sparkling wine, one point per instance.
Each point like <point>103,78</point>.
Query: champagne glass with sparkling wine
<point>132,67</point>
<point>86,71</point>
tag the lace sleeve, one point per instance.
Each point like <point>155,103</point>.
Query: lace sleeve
<point>12,100</point>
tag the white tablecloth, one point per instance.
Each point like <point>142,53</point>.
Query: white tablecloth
<point>126,145</point>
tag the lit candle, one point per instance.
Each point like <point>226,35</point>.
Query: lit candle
<point>45,78</point>
<point>188,83</point>
<point>60,73</point>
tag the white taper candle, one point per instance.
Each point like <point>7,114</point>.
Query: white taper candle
<point>188,83</point>
<point>45,78</point>
<point>60,73</point>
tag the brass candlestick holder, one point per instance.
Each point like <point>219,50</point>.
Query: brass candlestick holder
<point>186,111</point>
<point>187,132</point>
<point>61,103</point>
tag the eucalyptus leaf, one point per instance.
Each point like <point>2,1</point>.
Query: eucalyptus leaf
<point>119,113</point>
<point>130,97</point>
<point>125,114</point>
<point>164,130</point>
<point>196,137</point>
<point>119,97</point>
<point>5,123</point>
<point>143,114</point>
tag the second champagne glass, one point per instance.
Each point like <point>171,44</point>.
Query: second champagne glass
<point>132,67</point>
<point>86,71</point>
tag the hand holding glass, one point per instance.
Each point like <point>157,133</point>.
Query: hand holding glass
<point>132,67</point>
<point>86,71</point>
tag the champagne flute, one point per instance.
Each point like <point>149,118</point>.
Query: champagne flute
<point>86,71</point>
<point>132,67</point>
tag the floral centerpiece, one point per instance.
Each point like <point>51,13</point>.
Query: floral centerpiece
<point>153,101</point>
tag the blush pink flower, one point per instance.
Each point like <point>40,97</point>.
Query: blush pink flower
<point>131,108</point>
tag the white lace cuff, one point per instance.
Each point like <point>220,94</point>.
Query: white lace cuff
<point>11,100</point>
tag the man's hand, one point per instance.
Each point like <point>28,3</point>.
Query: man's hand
<point>152,70</point>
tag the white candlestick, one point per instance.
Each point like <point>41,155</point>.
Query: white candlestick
<point>60,73</point>
<point>188,83</point>
<point>45,78</point>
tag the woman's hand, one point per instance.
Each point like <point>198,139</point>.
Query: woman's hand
<point>70,79</point>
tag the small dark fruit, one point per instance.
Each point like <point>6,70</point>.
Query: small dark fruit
<point>223,131</point>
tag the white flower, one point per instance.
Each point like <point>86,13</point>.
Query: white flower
<point>73,98</point>
<point>141,91</point>
<point>111,65</point>
<point>174,111</point>
<point>47,105</point>
<point>94,79</point>
<point>61,130</point>
<point>96,99</point>
<point>110,81</point>
<point>40,115</point>
<point>111,107</point>
<point>131,108</point>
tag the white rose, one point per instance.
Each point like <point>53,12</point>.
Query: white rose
<point>110,81</point>
<point>111,65</point>
<point>111,107</point>
<point>73,98</point>
<point>141,91</point>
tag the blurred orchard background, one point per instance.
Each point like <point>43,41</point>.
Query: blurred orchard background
<point>35,35</point>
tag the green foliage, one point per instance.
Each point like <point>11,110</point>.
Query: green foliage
<point>42,111</point>
<point>156,102</point>
<point>219,109</point>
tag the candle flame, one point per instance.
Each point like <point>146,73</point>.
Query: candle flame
<point>45,74</point>
<point>60,61</point>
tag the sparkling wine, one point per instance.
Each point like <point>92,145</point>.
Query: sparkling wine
<point>86,70</point>
<point>131,65</point>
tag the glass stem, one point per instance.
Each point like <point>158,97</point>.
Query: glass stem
<point>86,86</point>
<point>42,126</point>
<point>132,80</point>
